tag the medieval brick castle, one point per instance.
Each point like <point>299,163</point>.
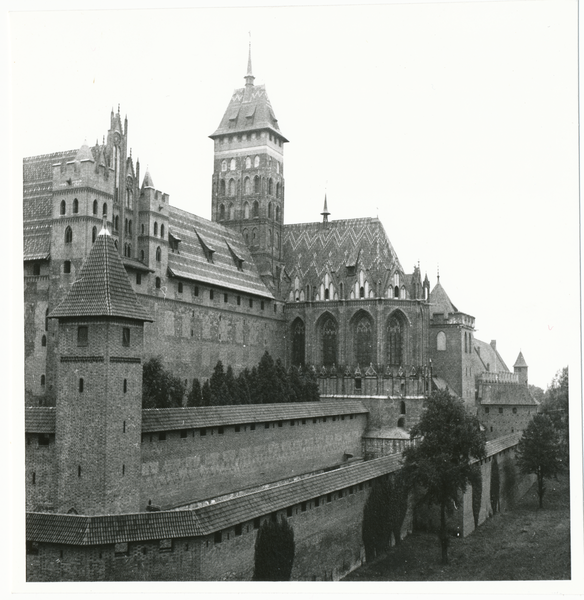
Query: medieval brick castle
<point>114,275</point>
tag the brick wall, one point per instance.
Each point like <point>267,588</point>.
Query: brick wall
<point>505,419</point>
<point>180,470</point>
<point>40,474</point>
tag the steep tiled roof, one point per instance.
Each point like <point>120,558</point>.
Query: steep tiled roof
<point>249,109</point>
<point>39,419</point>
<point>166,419</point>
<point>310,250</point>
<point>191,263</point>
<point>102,288</point>
<point>487,358</point>
<point>510,394</point>
<point>40,168</point>
<point>520,362</point>
<point>440,302</point>
<point>109,529</point>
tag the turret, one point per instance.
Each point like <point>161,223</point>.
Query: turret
<point>520,369</point>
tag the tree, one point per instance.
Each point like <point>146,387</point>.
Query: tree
<point>556,406</point>
<point>160,388</point>
<point>376,520</point>
<point>441,463</point>
<point>195,397</point>
<point>538,452</point>
<point>274,551</point>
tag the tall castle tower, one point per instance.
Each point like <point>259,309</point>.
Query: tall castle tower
<point>99,387</point>
<point>248,174</point>
<point>520,369</point>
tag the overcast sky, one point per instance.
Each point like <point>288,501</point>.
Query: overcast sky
<point>455,123</point>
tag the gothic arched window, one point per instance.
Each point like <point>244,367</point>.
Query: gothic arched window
<point>278,214</point>
<point>232,165</point>
<point>256,209</point>
<point>68,235</point>
<point>63,208</point>
<point>246,186</point>
<point>277,190</point>
<point>104,211</point>
<point>95,207</point>
<point>161,230</point>
<point>256,162</point>
<point>222,187</point>
<point>231,212</point>
<point>221,212</point>
<point>232,187</point>
<point>270,210</point>
<point>246,210</point>
<point>394,341</point>
<point>125,225</point>
<point>155,228</point>
<point>270,186</point>
<point>441,341</point>
<point>75,206</point>
<point>117,223</point>
<point>246,236</point>
<point>298,343</point>
<point>256,184</point>
<point>158,254</point>
<point>224,165</point>
<point>93,234</point>
<point>329,342</point>
<point>130,227</point>
<point>363,342</point>
<point>248,162</point>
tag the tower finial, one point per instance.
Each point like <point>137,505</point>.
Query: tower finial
<point>438,274</point>
<point>249,76</point>
<point>325,212</point>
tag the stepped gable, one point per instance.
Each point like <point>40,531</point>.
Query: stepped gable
<point>520,362</point>
<point>37,202</point>
<point>102,288</point>
<point>440,303</point>
<point>313,249</point>
<point>487,358</point>
<point>199,238</point>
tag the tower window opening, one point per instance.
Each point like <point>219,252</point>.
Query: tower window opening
<point>104,212</point>
<point>63,208</point>
<point>81,385</point>
<point>36,269</point>
<point>43,380</point>
<point>44,341</point>
<point>180,287</point>
<point>82,335</point>
<point>138,278</point>
<point>126,336</point>
<point>158,254</point>
<point>158,283</point>
<point>161,230</point>
<point>75,206</point>
<point>68,235</point>
<point>79,471</point>
<point>125,386</point>
<point>93,234</point>
<point>95,207</point>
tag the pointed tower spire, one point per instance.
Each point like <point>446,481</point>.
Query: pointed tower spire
<point>249,76</point>
<point>325,212</point>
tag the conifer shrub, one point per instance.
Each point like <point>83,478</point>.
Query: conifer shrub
<point>274,551</point>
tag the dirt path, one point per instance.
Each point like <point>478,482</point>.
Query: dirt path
<point>524,544</point>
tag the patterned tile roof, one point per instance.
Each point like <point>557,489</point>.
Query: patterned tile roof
<point>191,262</point>
<point>509,394</point>
<point>40,168</point>
<point>311,250</point>
<point>204,520</point>
<point>167,419</point>
<point>249,109</point>
<point>39,419</point>
<point>102,288</point>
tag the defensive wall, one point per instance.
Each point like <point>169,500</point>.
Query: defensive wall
<point>188,454</point>
<point>215,540</point>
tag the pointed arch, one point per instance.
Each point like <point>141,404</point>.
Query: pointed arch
<point>256,184</point>
<point>93,234</point>
<point>278,214</point>
<point>68,235</point>
<point>327,328</point>
<point>256,162</point>
<point>95,207</point>
<point>63,208</point>
<point>298,342</point>
<point>278,190</point>
<point>247,186</point>
<point>247,162</point>
<point>104,211</point>
<point>155,228</point>
<point>231,212</point>
<point>362,328</point>
<point>256,209</point>
<point>395,338</point>
<point>270,186</point>
<point>246,210</point>
<point>222,187</point>
<point>75,206</point>
<point>269,210</point>
<point>161,230</point>
<point>232,187</point>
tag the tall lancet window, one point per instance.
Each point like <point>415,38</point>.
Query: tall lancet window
<point>298,343</point>
<point>363,342</point>
<point>329,342</point>
<point>394,341</point>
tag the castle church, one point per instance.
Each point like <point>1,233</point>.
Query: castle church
<point>115,275</point>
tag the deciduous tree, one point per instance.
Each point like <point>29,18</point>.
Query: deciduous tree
<point>441,463</point>
<point>538,451</point>
<point>160,388</point>
<point>274,551</point>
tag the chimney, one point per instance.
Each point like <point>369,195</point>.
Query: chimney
<point>494,344</point>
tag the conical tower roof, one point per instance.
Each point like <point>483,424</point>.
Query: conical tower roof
<point>147,179</point>
<point>520,362</point>
<point>440,299</point>
<point>102,288</point>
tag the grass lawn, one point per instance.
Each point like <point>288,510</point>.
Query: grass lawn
<point>524,544</point>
